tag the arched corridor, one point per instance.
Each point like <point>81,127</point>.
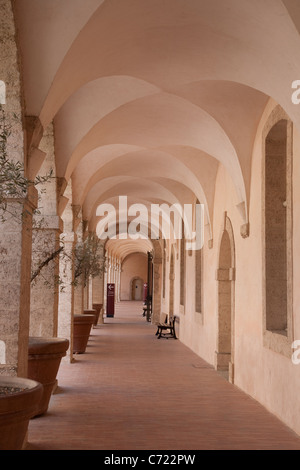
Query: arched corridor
<point>150,153</point>
<point>133,391</point>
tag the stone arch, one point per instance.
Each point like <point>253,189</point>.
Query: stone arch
<point>226,303</point>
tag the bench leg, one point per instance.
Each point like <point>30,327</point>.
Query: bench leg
<point>159,333</point>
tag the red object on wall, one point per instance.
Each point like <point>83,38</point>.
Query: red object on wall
<point>145,292</point>
<point>110,300</point>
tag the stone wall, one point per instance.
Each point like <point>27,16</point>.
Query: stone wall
<point>15,232</point>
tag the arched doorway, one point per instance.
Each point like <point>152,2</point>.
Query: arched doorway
<point>225,279</point>
<point>137,289</point>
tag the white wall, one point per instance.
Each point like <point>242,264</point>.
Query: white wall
<point>266,375</point>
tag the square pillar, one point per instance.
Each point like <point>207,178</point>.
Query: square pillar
<point>15,273</point>
<point>66,294</point>
<point>44,288</point>
<point>157,290</point>
<point>78,297</point>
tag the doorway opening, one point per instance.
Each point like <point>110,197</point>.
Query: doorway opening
<point>137,285</point>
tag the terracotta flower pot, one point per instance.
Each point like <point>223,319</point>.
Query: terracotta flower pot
<point>82,328</point>
<point>92,312</point>
<point>44,357</point>
<point>16,410</point>
<point>98,308</point>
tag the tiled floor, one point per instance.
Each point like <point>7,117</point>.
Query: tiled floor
<point>131,391</point>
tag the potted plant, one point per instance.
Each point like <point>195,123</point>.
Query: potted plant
<point>44,357</point>
<point>89,263</point>
<point>99,313</point>
<point>19,402</point>
<point>88,259</point>
<point>92,312</point>
<point>44,353</point>
<point>82,329</point>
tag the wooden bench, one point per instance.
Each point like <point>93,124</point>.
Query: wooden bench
<point>166,329</point>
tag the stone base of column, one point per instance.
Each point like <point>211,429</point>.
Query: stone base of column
<point>222,361</point>
<point>231,373</point>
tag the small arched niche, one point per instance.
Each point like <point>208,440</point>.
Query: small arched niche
<point>224,360</point>
<point>277,232</point>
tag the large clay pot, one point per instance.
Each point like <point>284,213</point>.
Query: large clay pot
<point>98,308</point>
<point>44,357</point>
<point>16,410</point>
<point>92,312</point>
<point>82,329</point>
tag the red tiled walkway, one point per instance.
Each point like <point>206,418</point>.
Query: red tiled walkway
<point>131,391</point>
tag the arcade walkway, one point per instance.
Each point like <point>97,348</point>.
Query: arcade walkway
<point>131,391</point>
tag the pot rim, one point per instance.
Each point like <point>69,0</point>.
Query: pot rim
<point>21,399</point>
<point>47,345</point>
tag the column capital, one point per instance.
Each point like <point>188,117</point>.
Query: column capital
<point>48,222</point>
<point>68,237</point>
<point>30,199</point>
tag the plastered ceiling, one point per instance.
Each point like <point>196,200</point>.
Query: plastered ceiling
<point>148,97</point>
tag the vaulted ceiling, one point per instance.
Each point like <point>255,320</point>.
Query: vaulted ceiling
<point>149,97</point>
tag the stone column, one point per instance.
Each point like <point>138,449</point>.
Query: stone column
<point>108,270</point>
<point>44,288</point>
<point>47,227</point>
<point>105,281</point>
<point>90,293</point>
<point>16,231</point>
<point>66,295</point>
<point>86,296</point>
<point>113,271</point>
<point>97,289</point>
<point>118,281</point>
<point>157,288</point>
<point>78,298</point>
<point>87,293</point>
<point>15,261</point>
<point>98,281</point>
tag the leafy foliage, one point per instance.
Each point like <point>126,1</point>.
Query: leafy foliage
<point>13,182</point>
<point>88,259</point>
